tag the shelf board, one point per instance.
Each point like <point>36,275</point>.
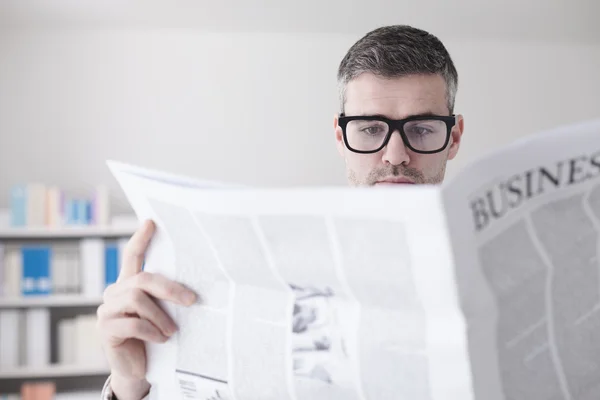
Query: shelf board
<point>53,371</point>
<point>65,232</point>
<point>49,301</point>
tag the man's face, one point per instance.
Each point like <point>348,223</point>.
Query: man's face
<point>397,98</point>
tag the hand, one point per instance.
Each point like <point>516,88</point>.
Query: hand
<point>130,316</point>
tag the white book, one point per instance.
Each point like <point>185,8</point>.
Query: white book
<point>53,206</point>
<point>102,205</point>
<point>36,205</point>
<point>58,273</point>
<point>13,271</point>
<point>10,325</point>
<point>67,341</point>
<point>88,345</point>
<point>92,267</point>
<point>1,270</point>
<point>79,395</point>
<point>37,333</point>
<point>73,271</point>
<point>65,266</point>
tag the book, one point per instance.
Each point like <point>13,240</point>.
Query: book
<point>101,205</point>
<point>37,337</point>
<point>18,205</point>
<point>79,342</point>
<point>37,261</point>
<point>2,277</point>
<point>60,270</point>
<point>88,349</point>
<point>53,212</point>
<point>27,338</point>
<point>13,272</point>
<point>111,263</point>
<point>36,205</point>
<point>74,272</point>
<point>10,334</point>
<point>39,205</point>
<point>82,266</point>
<point>67,341</point>
<point>92,261</point>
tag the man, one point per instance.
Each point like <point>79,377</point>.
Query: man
<point>397,89</point>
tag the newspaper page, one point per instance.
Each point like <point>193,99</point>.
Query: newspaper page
<point>525,228</point>
<point>313,293</point>
<point>162,358</point>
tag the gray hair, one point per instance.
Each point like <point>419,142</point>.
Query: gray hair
<point>396,51</point>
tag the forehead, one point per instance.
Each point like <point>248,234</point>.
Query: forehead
<point>397,98</point>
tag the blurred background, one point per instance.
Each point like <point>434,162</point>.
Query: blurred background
<point>238,91</point>
<point>245,91</point>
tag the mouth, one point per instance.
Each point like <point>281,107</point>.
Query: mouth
<point>394,181</point>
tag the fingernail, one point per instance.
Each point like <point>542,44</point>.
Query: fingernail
<point>171,329</point>
<point>188,297</point>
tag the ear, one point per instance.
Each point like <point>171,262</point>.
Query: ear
<point>339,138</point>
<point>456,136</point>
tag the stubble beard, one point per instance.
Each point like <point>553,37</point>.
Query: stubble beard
<point>395,171</point>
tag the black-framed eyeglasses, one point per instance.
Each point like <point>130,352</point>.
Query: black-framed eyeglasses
<point>427,134</point>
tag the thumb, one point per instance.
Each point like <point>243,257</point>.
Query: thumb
<point>133,255</point>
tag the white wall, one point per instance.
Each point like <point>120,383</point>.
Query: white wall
<point>255,109</point>
<point>510,90</point>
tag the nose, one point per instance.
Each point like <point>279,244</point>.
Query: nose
<point>395,152</point>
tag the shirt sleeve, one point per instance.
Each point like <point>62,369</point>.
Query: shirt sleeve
<point>107,393</point>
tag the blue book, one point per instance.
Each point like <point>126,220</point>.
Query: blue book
<point>37,278</point>
<point>18,205</point>
<point>81,212</point>
<point>111,263</point>
<point>74,211</point>
<point>69,212</point>
<point>88,212</point>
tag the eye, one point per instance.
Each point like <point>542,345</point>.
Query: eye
<point>373,130</point>
<point>421,130</point>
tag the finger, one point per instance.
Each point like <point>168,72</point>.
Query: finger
<point>137,302</point>
<point>119,330</point>
<point>133,255</point>
<point>156,286</point>
<point>163,288</point>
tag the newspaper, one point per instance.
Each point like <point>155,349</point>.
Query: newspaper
<point>486,287</point>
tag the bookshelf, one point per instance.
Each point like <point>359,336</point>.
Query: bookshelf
<point>53,371</point>
<point>75,370</point>
<point>66,232</point>
<point>51,301</point>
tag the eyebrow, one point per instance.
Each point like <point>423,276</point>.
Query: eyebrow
<point>423,114</point>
